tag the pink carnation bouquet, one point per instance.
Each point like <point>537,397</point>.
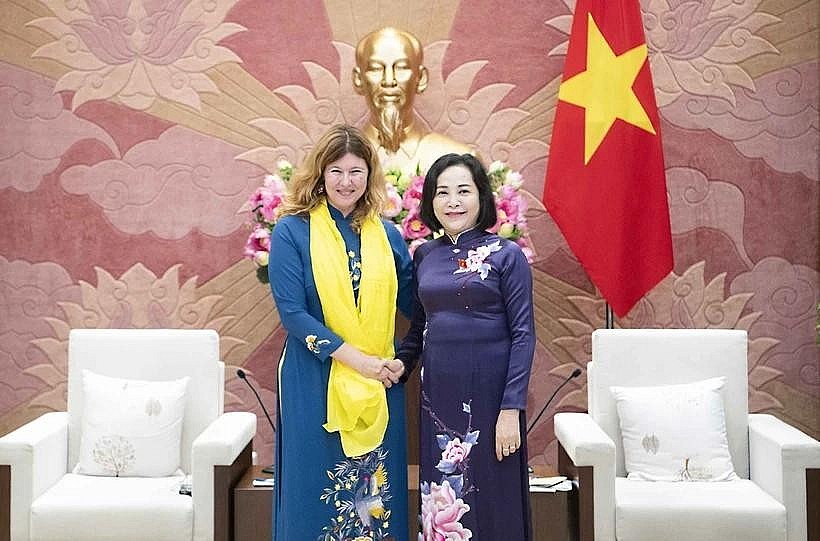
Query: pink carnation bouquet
<point>402,208</point>
<point>404,200</point>
<point>264,204</point>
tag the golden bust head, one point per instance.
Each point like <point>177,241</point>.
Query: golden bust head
<point>389,73</point>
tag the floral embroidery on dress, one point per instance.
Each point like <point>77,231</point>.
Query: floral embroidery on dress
<point>360,491</point>
<point>442,504</point>
<point>313,344</point>
<point>475,260</point>
<point>355,265</point>
<point>441,512</point>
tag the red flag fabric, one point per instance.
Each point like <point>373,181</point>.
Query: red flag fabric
<point>605,186</point>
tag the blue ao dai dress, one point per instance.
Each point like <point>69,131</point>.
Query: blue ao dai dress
<point>320,494</point>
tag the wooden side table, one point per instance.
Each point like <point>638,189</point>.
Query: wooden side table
<point>552,512</point>
<point>252,508</point>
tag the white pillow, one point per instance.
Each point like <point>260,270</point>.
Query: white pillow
<point>131,428</point>
<point>675,432</point>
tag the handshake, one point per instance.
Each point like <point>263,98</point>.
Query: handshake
<point>391,371</point>
<point>386,371</point>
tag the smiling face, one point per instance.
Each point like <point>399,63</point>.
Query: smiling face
<point>456,203</point>
<point>345,182</point>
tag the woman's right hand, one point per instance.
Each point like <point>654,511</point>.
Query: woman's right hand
<point>371,367</point>
<point>385,371</point>
<point>366,365</point>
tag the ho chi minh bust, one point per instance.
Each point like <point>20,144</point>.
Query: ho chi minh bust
<point>389,73</point>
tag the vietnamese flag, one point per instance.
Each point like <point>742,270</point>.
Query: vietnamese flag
<point>605,186</point>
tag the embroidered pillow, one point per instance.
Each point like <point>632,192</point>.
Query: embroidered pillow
<point>675,432</point>
<point>131,428</point>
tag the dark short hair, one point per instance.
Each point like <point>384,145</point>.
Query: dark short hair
<point>486,200</point>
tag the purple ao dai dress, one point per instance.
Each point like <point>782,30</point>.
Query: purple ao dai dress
<point>473,328</point>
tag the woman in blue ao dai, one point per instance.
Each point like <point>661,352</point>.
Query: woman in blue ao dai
<point>338,272</point>
<point>473,327</point>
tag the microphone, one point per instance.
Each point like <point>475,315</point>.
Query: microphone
<point>575,374</point>
<point>241,375</point>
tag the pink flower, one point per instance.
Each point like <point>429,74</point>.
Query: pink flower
<point>256,198</point>
<point>507,192</point>
<point>412,196</point>
<point>250,251</point>
<point>440,514</point>
<point>258,243</point>
<point>510,208</point>
<point>456,451</point>
<point>275,184</point>
<point>269,206</point>
<point>259,239</point>
<point>267,198</point>
<point>413,227</point>
<point>392,206</point>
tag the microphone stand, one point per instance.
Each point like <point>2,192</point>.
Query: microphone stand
<point>575,374</point>
<point>241,375</point>
<point>609,319</point>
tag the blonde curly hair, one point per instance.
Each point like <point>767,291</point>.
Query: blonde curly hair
<point>306,187</point>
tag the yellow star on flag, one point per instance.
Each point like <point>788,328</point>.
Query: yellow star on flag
<point>604,90</point>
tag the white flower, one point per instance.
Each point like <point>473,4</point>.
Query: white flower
<point>506,230</point>
<point>261,258</point>
<point>496,167</point>
<point>514,179</point>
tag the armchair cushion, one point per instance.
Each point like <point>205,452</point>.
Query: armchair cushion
<point>736,509</point>
<point>675,432</point>
<point>131,428</point>
<point>113,509</point>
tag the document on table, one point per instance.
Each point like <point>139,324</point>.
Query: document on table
<point>550,484</point>
<point>263,482</point>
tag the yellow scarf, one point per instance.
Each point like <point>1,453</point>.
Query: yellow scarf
<point>356,406</point>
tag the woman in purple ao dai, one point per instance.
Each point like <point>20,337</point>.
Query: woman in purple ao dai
<point>473,329</point>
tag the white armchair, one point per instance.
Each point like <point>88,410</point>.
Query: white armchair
<point>772,459</point>
<point>49,502</point>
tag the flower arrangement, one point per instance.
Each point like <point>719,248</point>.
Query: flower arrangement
<point>264,204</point>
<point>402,208</point>
<point>404,200</point>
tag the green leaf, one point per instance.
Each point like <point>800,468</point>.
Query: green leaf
<point>262,274</point>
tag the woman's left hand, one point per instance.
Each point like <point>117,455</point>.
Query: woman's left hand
<point>507,434</point>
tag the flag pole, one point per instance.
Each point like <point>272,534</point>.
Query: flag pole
<point>610,321</point>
